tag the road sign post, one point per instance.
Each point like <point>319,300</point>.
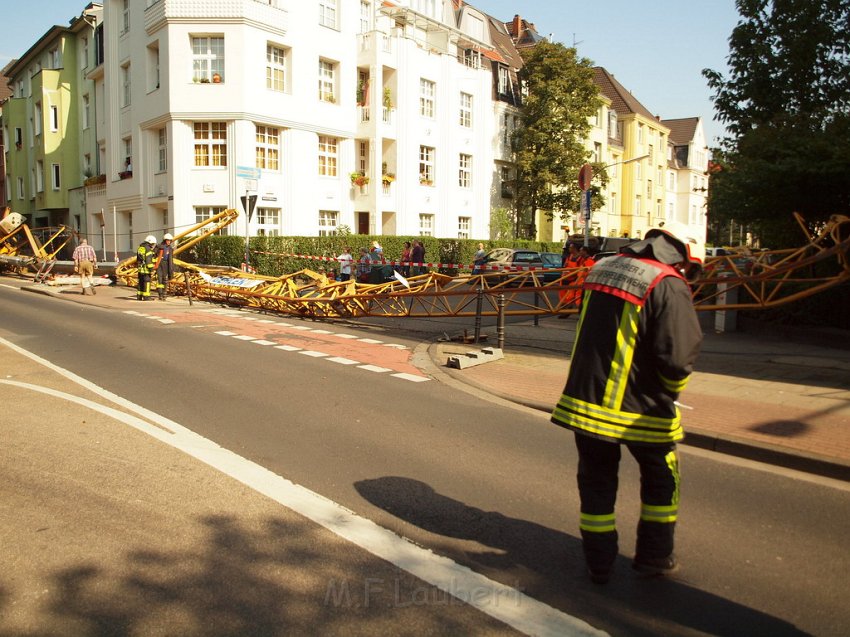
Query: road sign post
<point>585,175</point>
<point>248,203</point>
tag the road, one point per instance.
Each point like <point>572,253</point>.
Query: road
<point>488,486</point>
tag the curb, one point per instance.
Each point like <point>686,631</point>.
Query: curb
<point>694,437</point>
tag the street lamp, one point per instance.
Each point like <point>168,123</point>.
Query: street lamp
<point>585,175</point>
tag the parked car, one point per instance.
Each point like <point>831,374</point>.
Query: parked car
<point>513,258</point>
<point>551,262</point>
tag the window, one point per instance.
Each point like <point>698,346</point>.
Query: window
<point>57,177</point>
<point>39,176</point>
<point>125,24</point>
<point>54,118</point>
<point>84,53</point>
<point>210,144</point>
<point>613,131</point>
<point>426,165</point>
<point>153,66</point>
<point>53,60</point>
<point>597,152</point>
<point>649,188</point>
<point>275,68</point>
<point>19,137</point>
<point>327,156</point>
<point>202,213</point>
<point>20,188</point>
<point>268,222</point>
<point>87,163</point>
<point>86,111</point>
<point>638,171</point>
<point>426,225</point>
<point>463,224</point>
<point>268,147</point>
<point>365,16</point>
<point>503,80</point>
<point>207,58</point>
<point>37,119</point>
<point>466,110</point>
<point>640,134</point>
<point>128,154</point>
<point>328,221</point>
<point>363,156</point>
<point>125,84</point>
<point>637,205</point>
<point>671,181</point>
<point>464,179</point>
<point>162,150</point>
<point>426,98</point>
<point>327,81</point>
<point>327,13</point>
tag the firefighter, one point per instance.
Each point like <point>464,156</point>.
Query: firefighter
<point>636,342</point>
<point>145,256</point>
<point>164,264</point>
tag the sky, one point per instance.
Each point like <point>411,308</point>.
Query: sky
<point>657,50</point>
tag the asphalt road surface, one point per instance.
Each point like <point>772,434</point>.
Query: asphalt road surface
<point>486,485</point>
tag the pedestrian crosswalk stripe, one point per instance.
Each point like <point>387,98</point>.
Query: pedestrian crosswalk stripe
<point>244,337</point>
<point>314,354</point>
<point>321,331</point>
<point>225,333</point>
<point>346,336</point>
<point>370,340</point>
<point>374,368</point>
<point>166,321</point>
<point>411,377</point>
<point>262,342</point>
<point>288,348</point>
<point>343,361</point>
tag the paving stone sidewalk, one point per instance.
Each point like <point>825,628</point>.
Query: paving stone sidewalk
<point>756,395</point>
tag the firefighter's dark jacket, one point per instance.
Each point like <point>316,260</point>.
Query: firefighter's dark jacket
<point>145,256</point>
<point>636,343</point>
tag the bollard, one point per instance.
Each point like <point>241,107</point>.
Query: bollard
<point>536,305</point>
<point>500,323</point>
<point>188,286</point>
<point>478,307</point>
<point>726,320</point>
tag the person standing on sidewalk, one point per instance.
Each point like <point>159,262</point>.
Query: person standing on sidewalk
<point>345,262</point>
<point>636,342</point>
<point>145,257</point>
<point>85,263</point>
<point>164,265</point>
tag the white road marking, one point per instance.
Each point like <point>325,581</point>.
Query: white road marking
<point>262,342</point>
<point>165,321</point>
<point>374,368</point>
<point>244,337</point>
<point>346,336</point>
<point>526,614</point>
<point>288,348</point>
<point>132,312</point>
<point>342,361</point>
<point>299,327</point>
<point>411,377</point>
<point>395,345</point>
<point>314,354</point>
<point>265,321</point>
<point>225,333</point>
<point>11,287</point>
<point>321,332</point>
<point>370,340</point>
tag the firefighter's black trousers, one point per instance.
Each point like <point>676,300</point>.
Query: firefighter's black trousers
<point>597,483</point>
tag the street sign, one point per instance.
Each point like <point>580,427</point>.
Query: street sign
<point>588,213</point>
<point>248,203</point>
<point>247,172</point>
<point>585,174</point>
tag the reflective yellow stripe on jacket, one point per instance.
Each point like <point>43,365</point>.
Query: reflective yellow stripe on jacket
<point>613,423</point>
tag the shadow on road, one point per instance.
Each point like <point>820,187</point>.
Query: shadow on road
<point>551,567</point>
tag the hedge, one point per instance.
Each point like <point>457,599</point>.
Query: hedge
<point>267,259</point>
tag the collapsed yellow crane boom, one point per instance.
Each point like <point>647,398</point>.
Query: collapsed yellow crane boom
<point>764,279</point>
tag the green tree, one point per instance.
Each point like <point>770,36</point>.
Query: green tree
<point>560,98</point>
<point>502,226</point>
<point>786,106</point>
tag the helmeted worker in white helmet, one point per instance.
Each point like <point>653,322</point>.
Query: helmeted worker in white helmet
<point>145,256</point>
<point>636,342</point>
<point>164,264</point>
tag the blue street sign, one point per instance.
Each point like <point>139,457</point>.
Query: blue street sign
<point>587,212</point>
<point>247,172</point>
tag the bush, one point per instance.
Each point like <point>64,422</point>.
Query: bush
<point>267,252</point>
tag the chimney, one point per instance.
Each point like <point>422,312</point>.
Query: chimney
<point>517,25</point>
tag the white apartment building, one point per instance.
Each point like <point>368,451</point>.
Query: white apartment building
<point>200,102</point>
<point>687,173</point>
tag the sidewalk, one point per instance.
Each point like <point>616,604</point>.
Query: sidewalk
<point>780,398</point>
<point>762,397</point>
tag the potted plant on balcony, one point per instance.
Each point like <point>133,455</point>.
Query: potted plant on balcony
<point>388,97</point>
<point>216,78</point>
<point>387,178</point>
<point>425,180</point>
<point>359,179</point>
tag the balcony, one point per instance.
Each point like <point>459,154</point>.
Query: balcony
<point>165,12</point>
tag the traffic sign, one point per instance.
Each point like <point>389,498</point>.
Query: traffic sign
<point>585,174</point>
<point>247,172</point>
